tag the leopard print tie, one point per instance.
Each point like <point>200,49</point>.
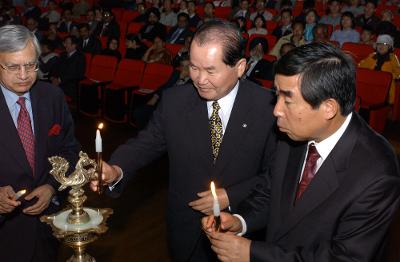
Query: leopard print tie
<point>216,129</point>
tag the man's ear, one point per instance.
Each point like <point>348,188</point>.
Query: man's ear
<point>241,67</point>
<point>331,108</point>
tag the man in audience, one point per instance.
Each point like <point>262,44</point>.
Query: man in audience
<point>89,43</point>
<point>178,34</point>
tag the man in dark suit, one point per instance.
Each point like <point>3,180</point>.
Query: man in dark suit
<point>193,137</point>
<point>178,34</point>
<point>70,68</point>
<point>335,186</point>
<point>89,43</point>
<point>153,27</point>
<point>257,66</point>
<point>36,124</point>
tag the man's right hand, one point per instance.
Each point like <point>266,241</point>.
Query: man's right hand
<point>229,223</point>
<point>109,176</point>
<point>7,200</point>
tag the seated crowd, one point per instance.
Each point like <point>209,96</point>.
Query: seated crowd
<point>68,30</point>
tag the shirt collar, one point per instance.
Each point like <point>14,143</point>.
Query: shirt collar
<point>326,146</point>
<point>226,103</point>
<point>12,98</point>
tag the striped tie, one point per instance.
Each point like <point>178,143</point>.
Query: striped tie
<point>25,132</point>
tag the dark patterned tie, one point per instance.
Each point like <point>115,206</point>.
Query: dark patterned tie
<point>309,170</point>
<point>216,130</point>
<point>25,132</point>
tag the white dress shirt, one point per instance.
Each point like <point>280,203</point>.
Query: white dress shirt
<point>226,104</point>
<point>324,148</point>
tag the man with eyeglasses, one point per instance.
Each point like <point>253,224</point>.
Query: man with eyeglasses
<point>35,124</point>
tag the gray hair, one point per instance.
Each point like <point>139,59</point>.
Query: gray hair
<point>14,38</point>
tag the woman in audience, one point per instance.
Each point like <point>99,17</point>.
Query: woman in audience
<point>383,59</point>
<point>311,21</point>
<point>157,53</point>
<point>135,49</point>
<point>258,26</point>
<point>347,33</point>
<point>112,48</point>
<point>354,7</point>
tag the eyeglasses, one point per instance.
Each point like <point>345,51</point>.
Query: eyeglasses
<point>382,44</point>
<point>29,67</point>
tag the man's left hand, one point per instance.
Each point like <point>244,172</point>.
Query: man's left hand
<point>43,194</point>
<point>230,248</point>
<point>205,203</point>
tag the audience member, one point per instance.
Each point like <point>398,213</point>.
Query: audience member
<point>367,36</point>
<point>258,26</point>
<point>257,66</point>
<point>194,18</point>
<point>311,21</point>
<point>80,8</point>
<point>53,38</point>
<point>296,38</point>
<point>89,43</point>
<point>285,24</point>
<point>31,10</point>
<point>70,69</point>
<point>333,17</point>
<point>383,59</point>
<point>153,27</point>
<point>112,48</point>
<point>346,33</point>
<point>52,15</point>
<point>32,24</point>
<point>243,10</point>
<point>47,60</point>
<point>354,7</point>
<point>157,53</point>
<point>109,26</point>
<point>135,49</point>
<point>260,10</point>
<point>321,33</point>
<point>369,17</point>
<point>178,33</point>
<point>168,16</point>
<point>66,23</point>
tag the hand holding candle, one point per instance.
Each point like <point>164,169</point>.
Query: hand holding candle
<point>99,160</point>
<point>216,208</point>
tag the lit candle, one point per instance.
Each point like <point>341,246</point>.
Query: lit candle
<point>99,142</point>
<point>216,209</point>
<point>99,158</point>
<point>20,193</point>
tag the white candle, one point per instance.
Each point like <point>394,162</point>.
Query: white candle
<point>99,143</point>
<point>216,209</point>
<point>20,193</point>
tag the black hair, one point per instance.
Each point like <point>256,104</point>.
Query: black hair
<point>259,40</point>
<point>154,11</point>
<point>225,33</point>
<point>262,19</point>
<point>286,10</point>
<point>74,39</point>
<point>325,72</point>
<point>182,14</point>
<point>349,15</point>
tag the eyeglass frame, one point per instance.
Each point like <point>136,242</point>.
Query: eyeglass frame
<point>18,70</point>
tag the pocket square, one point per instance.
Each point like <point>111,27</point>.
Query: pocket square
<point>54,130</point>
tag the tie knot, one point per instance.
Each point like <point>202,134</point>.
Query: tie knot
<point>216,106</point>
<point>312,152</point>
<point>21,101</point>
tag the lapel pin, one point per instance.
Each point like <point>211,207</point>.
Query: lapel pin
<point>244,125</point>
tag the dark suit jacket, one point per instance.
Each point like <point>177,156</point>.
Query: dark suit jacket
<point>181,38</point>
<point>23,237</point>
<point>262,70</point>
<point>93,46</point>
<point>345,211</point>
<point>70,69</point>
<point>180,126</point>
<point>157,30</point>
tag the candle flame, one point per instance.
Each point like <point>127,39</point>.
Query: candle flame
<point>100,126</point>
<point>23,191</point>
<point>213,190</point>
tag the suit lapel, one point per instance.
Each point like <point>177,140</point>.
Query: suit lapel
<point>39,119</point>
<point>10,138</point>
<point>325,181</point>
<point>236,128</point>
<point>197,119</point>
